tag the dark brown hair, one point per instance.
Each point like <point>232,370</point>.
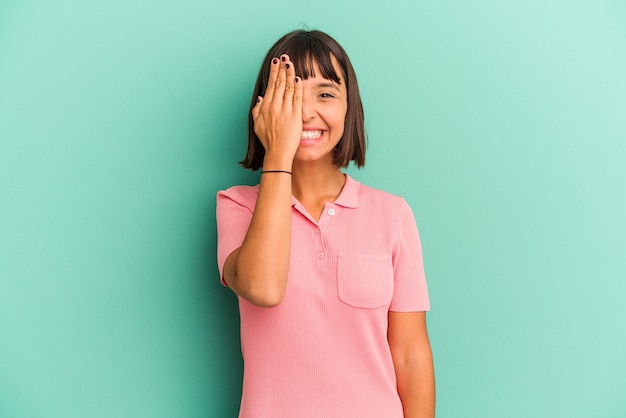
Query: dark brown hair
<point>305,49</point>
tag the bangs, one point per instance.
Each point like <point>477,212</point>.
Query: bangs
<point>306,52</point>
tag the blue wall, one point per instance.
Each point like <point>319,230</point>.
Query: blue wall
<point>502,123</point>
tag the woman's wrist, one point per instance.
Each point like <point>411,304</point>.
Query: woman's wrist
<point>276,164</point>
<point>276,171</point>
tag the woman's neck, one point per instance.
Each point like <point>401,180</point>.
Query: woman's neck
<point>314,185</point>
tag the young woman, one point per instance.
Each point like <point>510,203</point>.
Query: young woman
<point>328,272</point>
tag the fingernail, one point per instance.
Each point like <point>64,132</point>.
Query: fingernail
<point>287,65</point>
<point>275,61</point>
<point>283,58</point>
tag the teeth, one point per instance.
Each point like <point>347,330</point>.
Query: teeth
<point>311,134</point>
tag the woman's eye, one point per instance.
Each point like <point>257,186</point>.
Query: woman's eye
<point>326,95</point>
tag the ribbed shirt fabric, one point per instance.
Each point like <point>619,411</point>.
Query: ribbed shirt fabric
<point>323,351</point>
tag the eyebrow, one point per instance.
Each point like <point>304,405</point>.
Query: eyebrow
<point>328,85</point>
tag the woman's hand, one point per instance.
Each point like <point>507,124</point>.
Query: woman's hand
<point>278,115</point>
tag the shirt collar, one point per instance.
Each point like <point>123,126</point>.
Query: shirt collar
<point>348,197</point>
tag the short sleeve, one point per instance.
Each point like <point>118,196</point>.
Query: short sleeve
<point>234,210</point>
<point>410,290</point>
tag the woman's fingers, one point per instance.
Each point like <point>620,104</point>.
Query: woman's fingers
<point>290,79</point>
<point>280,83</point>
<point>271,82</point>
<point>297,97</point>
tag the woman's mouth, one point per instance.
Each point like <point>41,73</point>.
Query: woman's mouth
<point>311,135</point>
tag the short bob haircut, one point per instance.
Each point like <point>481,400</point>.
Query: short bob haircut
<point>306,48</point>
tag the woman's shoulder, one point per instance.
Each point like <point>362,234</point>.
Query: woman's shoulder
<point>372,195</point>
<point>244,195</point>
<point>385,207</point>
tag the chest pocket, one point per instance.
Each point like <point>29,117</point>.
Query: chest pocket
<point>365,281</point>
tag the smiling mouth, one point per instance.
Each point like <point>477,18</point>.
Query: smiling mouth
<point>311,134</point>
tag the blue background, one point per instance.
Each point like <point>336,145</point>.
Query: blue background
<point>501,123</point>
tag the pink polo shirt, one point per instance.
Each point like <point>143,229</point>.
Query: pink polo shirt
<point>323,351</point>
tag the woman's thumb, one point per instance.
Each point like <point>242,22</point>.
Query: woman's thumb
<point>257,108</point>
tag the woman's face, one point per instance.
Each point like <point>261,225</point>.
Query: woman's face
<point>324,107</point>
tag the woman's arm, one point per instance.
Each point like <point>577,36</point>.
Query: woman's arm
<point>257,271</point>
<point>413,363</point>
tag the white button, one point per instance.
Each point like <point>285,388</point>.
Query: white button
<point>331,212</point>
<point>321,254</point>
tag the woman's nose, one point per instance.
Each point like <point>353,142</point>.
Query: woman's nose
<point>308,110</point>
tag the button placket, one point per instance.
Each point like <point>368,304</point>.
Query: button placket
<point>323,224</point>
<point>320,250</point>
